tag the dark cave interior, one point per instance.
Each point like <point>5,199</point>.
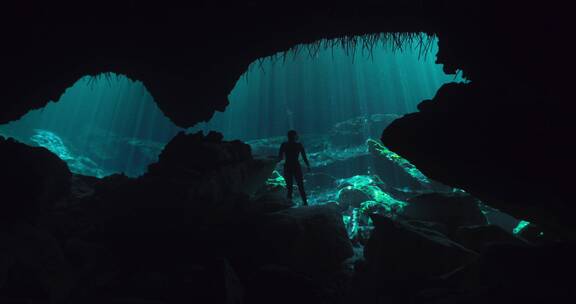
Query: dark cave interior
<point>207,223</point>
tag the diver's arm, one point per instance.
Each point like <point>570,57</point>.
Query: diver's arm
<point>305,158</point>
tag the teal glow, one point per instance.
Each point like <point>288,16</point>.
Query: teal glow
<point>312,92</point>
<point>521,226</point>
<point>397,159</point>
<point>110,124</point>
<point>99,126</point>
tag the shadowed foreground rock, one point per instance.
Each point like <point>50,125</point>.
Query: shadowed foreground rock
<point>398,250</point>
<point>32,179</point>
<point>309,240</point>
<point>450,209</point>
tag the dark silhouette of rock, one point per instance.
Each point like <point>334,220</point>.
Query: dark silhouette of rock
<point>215,170</point>
<point>276,284</point>
<point>33,179</point>
<point>478,238</point>
<point>398,172</point>
<point>309,240</point>
<point>450,209</point>
<point>511,271</point>
<point>196,154</point>
<point>32,258</point>
<point>350,197</point>
<point>211,282</point>
<point>401,251</point>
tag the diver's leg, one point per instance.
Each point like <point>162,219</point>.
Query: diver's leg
<point>289,178</point>
<point>300,182</point>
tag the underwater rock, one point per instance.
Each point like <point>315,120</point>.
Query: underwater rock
<point>453,139</point>
<point>355,131</point>
<point>402,251</point>
<point>349,197</point>
<point>534,272</point>
<point>451,209</point>
<point>395,170</point>
<point>277,284</point>
<point>273,189</point>
<point>438,227</point>
<point>31,257</point>
<point>211,281</point>
<point>309,240</point>
<point>478,238</point>
<point>33,179</point>
<point>359,189</point>
<point>268,205</point>
<point>536,235</point>
<point>213,170</point>
<point>195,154</point>
<point>499,218</point>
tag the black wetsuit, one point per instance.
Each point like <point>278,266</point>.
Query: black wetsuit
<point>292,168</point>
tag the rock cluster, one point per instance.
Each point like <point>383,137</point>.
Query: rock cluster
<point>209,224</point>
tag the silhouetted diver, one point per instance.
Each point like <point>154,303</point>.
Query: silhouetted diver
<point>292,170</point>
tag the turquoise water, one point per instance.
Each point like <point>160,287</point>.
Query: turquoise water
<point>111,124</point>
<point>99,126</point>
<point>311,93</point>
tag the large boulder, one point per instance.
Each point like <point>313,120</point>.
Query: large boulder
<point>451,209</point>
<point>33,179</point>
<point>350,197</point>
<point>397,250</point>
<point>307,239</point>
<point>478,238</point>
<point>532,273</point>
<point>395,170</point>
<point>30,258</point>
<point>359,189</point>
<point>196,154</point>
<point>276,284</point>
<point>211,169</point>
<point>210,281</point>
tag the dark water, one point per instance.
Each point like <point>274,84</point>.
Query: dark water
<point>110,124</point>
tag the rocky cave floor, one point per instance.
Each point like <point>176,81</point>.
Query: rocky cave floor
<point>209,223</point>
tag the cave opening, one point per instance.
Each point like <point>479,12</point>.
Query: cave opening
<point>108,123</point>
<point>339,97</point>
<point>338,94</point>
<point>100,126</point>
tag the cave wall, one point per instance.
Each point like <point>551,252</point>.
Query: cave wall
<point>188,56</point>
<point>506,137</point>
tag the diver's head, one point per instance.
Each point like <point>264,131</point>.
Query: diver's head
<point>292,136</point>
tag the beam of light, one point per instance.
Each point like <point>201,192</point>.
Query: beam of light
<point>100,126</point>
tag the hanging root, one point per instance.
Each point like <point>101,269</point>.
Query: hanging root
<point>358,43</point>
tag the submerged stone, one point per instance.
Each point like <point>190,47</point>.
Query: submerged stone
<point>33,179</point>
<point>451,209</point>
<point>359,189</point>
<point>395,170</point>
<point>397,250</point>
